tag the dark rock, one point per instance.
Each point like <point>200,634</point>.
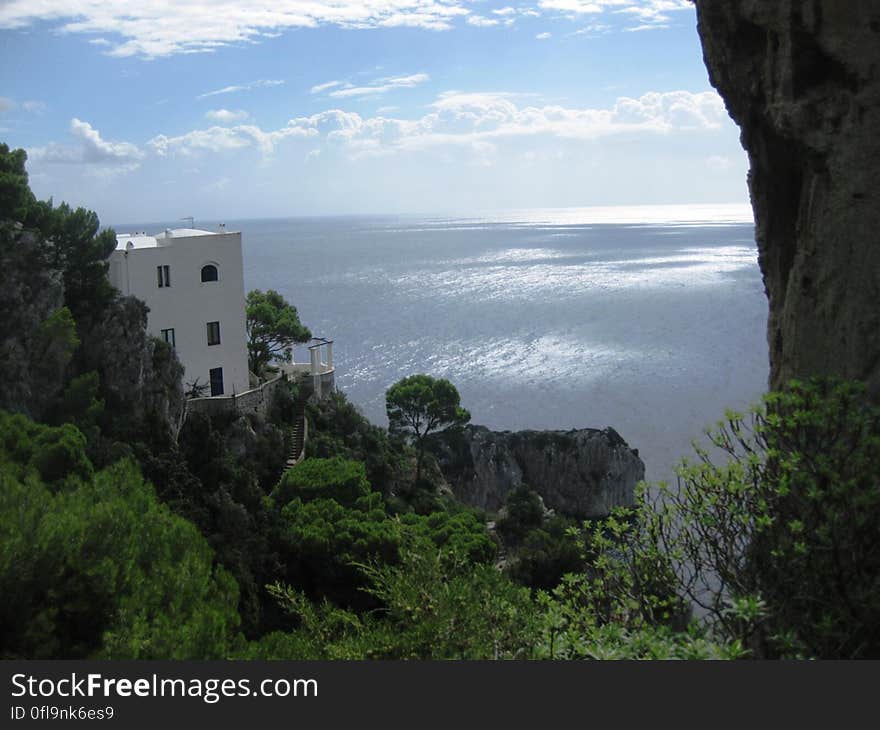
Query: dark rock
<point>140,375</point>
<point>802,80</point>
<point>583,473</point>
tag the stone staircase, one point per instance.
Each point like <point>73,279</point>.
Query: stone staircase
<point>298,434</point>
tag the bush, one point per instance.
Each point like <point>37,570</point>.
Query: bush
<point>338,479</point>
<point>98,567</point>
<point>462,533</point>
<point>323,540</point>
<point>524,511</point>
<point>779,545</point>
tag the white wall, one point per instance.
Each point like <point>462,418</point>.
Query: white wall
<point>189,304</point>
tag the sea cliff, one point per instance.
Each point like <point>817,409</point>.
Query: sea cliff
<point>584,473</point>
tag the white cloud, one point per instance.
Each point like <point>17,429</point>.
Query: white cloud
<point>154,28</point>
<point>318,88</point>
<point>573,6</point>
<point>381,86</point>
<point>646,26</point>
<point>91,149</point>
<point>33,106</point>
<point>225,139</point>
<point>543,36</point>
<point>480,21</point>
<point>226,116</point>
<point>478,122</point>
<point>594,29</point>
<point>505,11</point>
<point>647,13</point>
<point>260,84</point>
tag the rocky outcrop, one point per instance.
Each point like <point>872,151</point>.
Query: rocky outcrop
<point>140,376</point>
<point>802,80</point>
<point>583,473</point>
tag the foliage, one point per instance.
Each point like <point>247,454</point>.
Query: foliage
<point>546,554</point>
<point>461,532</point>
<point>338,479</point>
<point>218,478</point>
<point>523,512</point>
<point>419,405</point>
<point>92,565</point>
<point>436,605</point>
<point>16,198</point>
<point>273,327</point>
<point>337,428</point>
<point>568,632</point>
<point>323,539</point>
<point>780,545</point>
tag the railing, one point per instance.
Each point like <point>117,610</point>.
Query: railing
<point>319,368</point>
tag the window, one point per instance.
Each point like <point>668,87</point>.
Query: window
<point>163,275</point>
<point>168,336</point>
<point>216,375</point>
<point>209,273</point>
<point>213,333</point>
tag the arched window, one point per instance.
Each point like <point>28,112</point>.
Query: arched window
<point>209,273</point>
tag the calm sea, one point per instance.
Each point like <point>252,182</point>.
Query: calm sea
<point>651,320</point>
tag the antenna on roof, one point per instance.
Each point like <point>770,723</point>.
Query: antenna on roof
<point>190,219</point>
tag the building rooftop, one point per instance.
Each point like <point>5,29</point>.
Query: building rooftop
<point>127,241</point>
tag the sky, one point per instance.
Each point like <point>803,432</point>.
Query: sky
<point>270,108</point>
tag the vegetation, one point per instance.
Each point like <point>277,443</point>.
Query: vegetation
<point>273,328</point>
<point>93,565</point>
<point>419,405</point>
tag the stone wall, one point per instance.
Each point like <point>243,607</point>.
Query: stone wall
<point>255,401</point>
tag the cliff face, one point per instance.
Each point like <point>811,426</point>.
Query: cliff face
<point>140,376</point>
<point>802,80</point>
<point>583,473</point>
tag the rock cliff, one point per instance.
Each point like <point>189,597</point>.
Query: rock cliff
<point>802,80</point>
<point>583,473</point>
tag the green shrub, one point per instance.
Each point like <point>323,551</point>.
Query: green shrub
<point>780,545</point>
<point>323,539</point>
<point>100,568</point>
<point>338,479</point>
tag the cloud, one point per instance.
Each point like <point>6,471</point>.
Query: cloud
<point>646,26</point>
<point>543,36</point>
<point>155,28</point>
<point>381,86</point>
<point>225,139</point>
<point>480,21</point>
<point>226,116</point>
<point>260,84</point>
<point>6,104</point>
<point>91,149</point>
<point>649,14</point>
<point>478,122</point>
<point>33,106</point>
<point>318,88</point>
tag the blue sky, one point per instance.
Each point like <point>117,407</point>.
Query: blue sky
<point>251,108</point>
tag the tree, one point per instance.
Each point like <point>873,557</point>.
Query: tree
<point>273,328</point>
<point>93,565</point>
<point>779,545</point>
<point>419,405</point>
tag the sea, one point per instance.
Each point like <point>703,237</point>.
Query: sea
<point>648,319</point>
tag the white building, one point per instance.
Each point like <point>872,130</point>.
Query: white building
<point>193,283</point>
